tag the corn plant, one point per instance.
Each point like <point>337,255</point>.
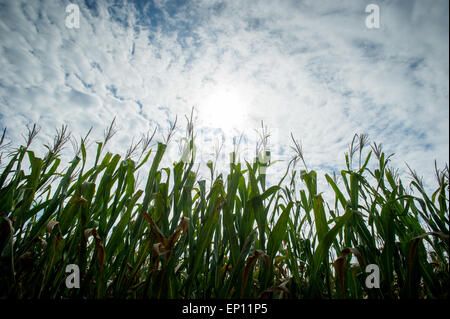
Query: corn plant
<point>236,238</point>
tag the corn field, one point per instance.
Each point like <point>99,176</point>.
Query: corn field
<point>233,237</point>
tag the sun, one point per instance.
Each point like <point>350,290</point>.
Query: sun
<point>225,108</point>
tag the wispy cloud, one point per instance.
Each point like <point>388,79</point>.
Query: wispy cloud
<point>307,67</point>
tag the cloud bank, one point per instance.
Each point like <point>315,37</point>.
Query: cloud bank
<point>312,68</point>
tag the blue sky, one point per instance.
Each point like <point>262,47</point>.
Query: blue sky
<point>308,67</point>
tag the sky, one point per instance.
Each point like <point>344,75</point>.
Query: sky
<point>310,68</point>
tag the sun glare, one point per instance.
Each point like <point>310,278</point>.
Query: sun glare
<point>224,107</point>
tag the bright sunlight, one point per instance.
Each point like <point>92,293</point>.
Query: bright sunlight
<point>225,107</point>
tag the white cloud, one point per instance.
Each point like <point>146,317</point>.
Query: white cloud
<point>310,67</point>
